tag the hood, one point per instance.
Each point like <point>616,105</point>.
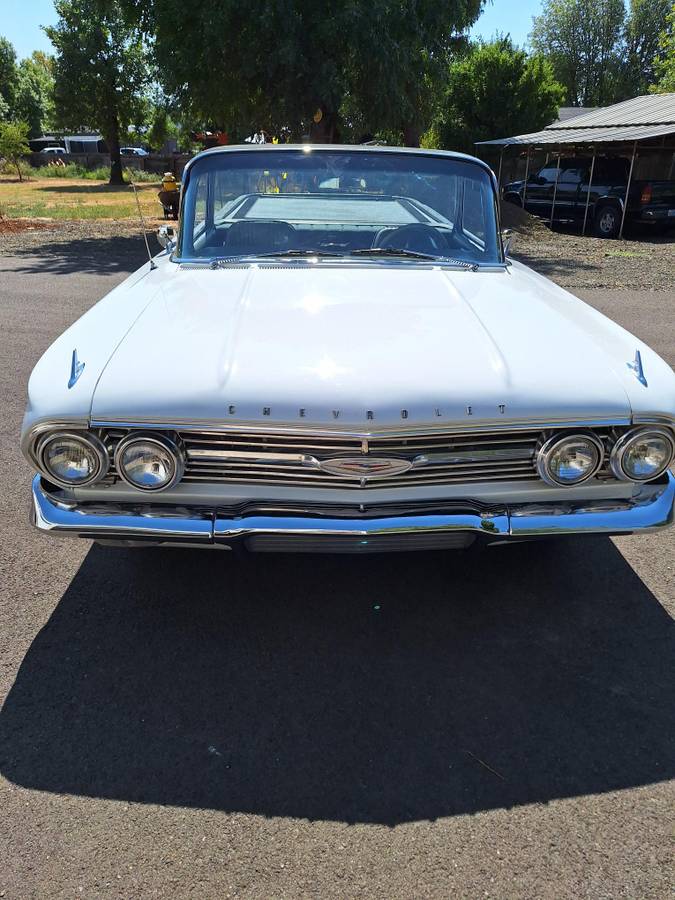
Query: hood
<point>366,345</point>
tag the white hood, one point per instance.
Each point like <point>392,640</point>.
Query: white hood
<point>364,345</point>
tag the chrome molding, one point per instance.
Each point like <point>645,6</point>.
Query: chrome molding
<point>446,427</point>
<point>651,508</point>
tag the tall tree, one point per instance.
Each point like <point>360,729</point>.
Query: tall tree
<point>496,90</point>
<point>101,71</point>
<point>8,78</point>
<point>664,65</point>
<point>646,21</point>
<point>582,39</point>
<point>294,63</point>
<point>35,92</point>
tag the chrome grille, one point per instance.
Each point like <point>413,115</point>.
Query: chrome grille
<point>437,459</point>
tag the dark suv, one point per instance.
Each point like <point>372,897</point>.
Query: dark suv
<point>649,202</point>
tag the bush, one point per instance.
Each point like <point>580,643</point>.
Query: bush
<point>10,168</point>
<point>101,173</point>
<point>69,170</point>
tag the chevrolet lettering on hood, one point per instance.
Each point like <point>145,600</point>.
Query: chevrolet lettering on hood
<point>336,354</point>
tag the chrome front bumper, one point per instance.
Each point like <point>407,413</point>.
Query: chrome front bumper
<point>389,527</point>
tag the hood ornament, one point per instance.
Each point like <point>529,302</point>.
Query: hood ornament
<point>366,468</point>
<point>76,369</point>
<point>636,367</point>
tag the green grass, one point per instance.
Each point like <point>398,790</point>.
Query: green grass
<point>101,173</point>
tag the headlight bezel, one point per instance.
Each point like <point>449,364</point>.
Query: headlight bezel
<point>624,442</point>
<point>83,437</point>
<point>166,443</point>
<point>546,450</point>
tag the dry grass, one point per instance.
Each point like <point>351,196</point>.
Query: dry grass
<point>74,198</point>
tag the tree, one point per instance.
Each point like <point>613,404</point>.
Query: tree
<point>294,63</point>
<point>644,26</point>
<point>14,143</point>
<point>664,66</point>
<point>35,92</point>
<point>101,71</point>
<point>496,90</point>
<point>8,78</point>
<point>582,39</point>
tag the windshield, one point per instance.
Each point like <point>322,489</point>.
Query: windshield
<point>305,201</point>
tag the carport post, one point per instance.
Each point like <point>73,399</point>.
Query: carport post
<point>555,189</point>
<point>499,173</point>
<point>588,192</point>
<point>527,172</point>
<point>630,178</point>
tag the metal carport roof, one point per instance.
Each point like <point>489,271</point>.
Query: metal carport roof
<point>650,116</point>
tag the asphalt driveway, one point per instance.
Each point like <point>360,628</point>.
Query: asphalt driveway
<point>186,724</point>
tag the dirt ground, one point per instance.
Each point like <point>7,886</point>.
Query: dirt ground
<point>638,262</point>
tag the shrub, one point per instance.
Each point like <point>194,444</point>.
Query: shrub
<point>7,167</point>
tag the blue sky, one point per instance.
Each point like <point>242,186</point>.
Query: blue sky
<point>21,21</point>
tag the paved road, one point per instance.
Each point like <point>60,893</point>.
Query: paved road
<point>179,724</point>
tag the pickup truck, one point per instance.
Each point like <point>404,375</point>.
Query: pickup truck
<point>649,202</point>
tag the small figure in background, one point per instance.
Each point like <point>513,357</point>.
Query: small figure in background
<point>169,195</point>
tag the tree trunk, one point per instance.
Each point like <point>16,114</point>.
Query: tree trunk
<point>411,135</point>
<point>17,163</point>
<point>113,141</point>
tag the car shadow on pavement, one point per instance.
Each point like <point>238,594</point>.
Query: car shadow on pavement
<point>106,255</point>
<point>357,689</point>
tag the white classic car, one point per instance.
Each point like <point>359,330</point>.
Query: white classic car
<point>337,355</point>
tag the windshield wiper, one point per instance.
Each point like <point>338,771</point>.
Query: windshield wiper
<point>413,254</point>
<point>275,254</point>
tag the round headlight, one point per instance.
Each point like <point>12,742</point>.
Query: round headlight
<point>642,454</point>
<point>73,459</point>
<point>151,463</point>
<point>570,459</point>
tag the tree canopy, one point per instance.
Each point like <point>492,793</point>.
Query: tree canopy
<point>493,90</point>
<point>101,71</point>
<point>302,64</point>
<point>14,143</point>
<point>34,101</point>
<point>600,53</point>
<point>664,66</point>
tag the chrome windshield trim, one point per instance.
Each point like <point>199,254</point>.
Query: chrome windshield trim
<point>310,262</point>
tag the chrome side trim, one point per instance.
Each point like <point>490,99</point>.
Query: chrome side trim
<point>651,508</point>
<point>259,459</point>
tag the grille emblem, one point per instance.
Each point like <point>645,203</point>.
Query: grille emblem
<point>365,468</point>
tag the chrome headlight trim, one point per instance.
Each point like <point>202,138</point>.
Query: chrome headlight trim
<point>163,441</point>
<point>83,437</point>
<point>544,454</point>
<point>620,447</point>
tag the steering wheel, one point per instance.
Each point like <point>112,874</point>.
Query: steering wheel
<point>416,237</point>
